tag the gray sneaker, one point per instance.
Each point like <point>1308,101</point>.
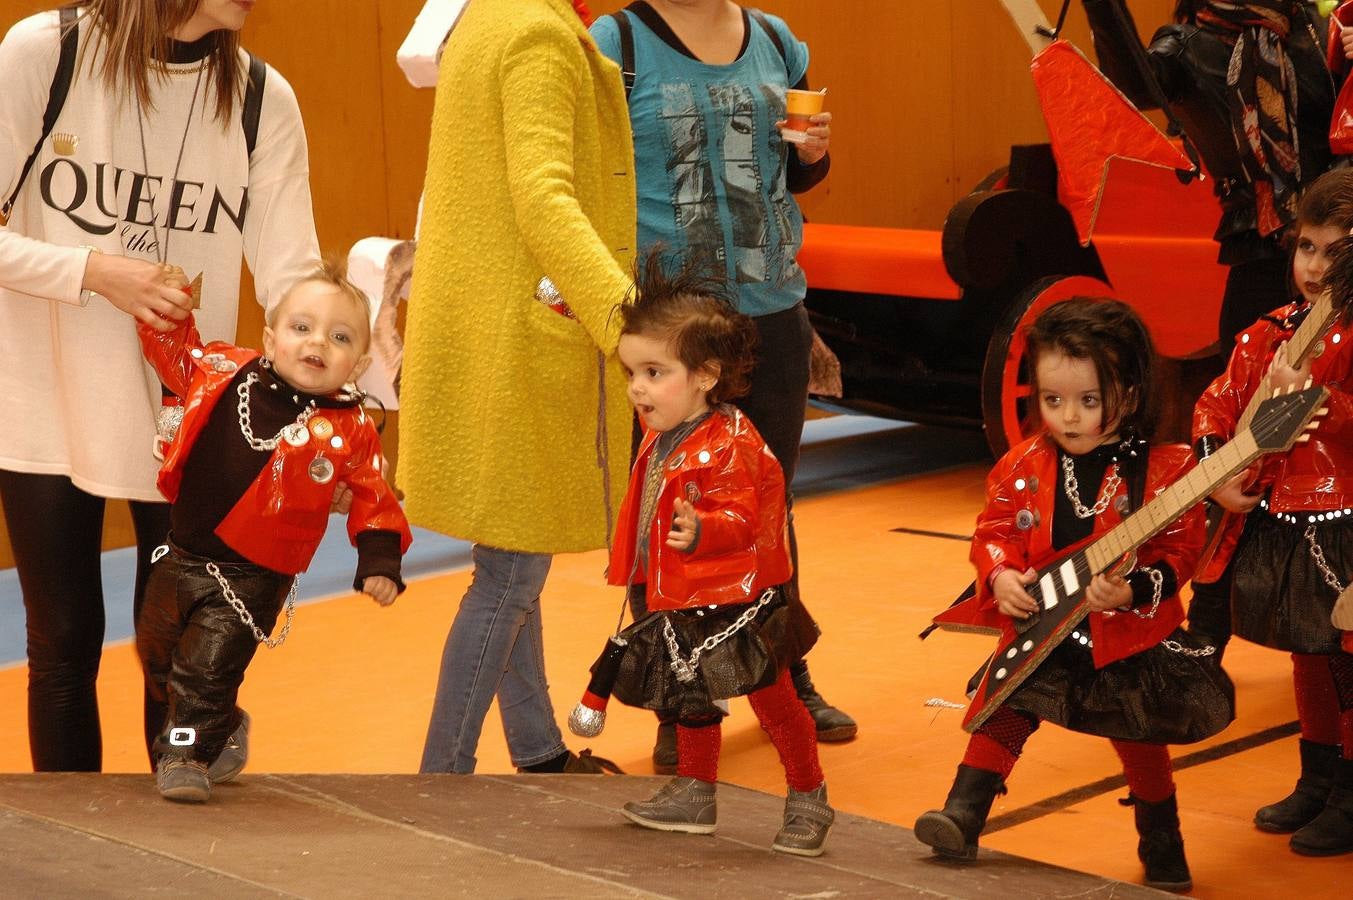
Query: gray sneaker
<point>682,804</point>
<point>807,820</point>
<point>184,780</point>
<point>234,755</point>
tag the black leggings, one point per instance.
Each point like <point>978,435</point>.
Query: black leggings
<point>56,532</point>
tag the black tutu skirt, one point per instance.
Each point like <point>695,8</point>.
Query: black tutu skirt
<point>1158,696</point>
<point>1279,598</point>
<point>751,659</point>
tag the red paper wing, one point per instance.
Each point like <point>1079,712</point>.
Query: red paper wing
<point>1089,121</point>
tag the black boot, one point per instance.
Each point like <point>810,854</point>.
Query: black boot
<point>1161,846</point>
<point>831,723</point>
<point>952,832</point>
<point>1331,832</point>
<point>1298,808</point>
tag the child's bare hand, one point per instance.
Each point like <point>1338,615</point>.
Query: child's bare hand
<point>682,535</point>
<point>1285,377</point>
<point>1108,592</point>
<point>1011,598</point>
<point>1346,40</point>
<point>1232,496</point>
<point>342,500</point>
<point>381,589</point>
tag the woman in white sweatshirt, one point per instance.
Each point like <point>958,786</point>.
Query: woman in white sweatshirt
<point>147,165</point>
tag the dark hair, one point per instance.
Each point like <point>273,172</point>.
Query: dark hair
<point>1114,338</point>
<point>691,310</point>
<point>1328,201</point>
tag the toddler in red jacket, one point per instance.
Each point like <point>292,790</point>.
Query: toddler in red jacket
<point>251,473</point>
<point>1129,672</point>
<point>702,531</point>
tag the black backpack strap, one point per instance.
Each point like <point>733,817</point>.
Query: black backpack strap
<point>56,97</point>
<point>253,101</point>
<point>622,22</point>
<point>772,34</point>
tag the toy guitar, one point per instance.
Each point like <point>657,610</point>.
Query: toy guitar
<point>1224,527</point>
<point>1061,582</point>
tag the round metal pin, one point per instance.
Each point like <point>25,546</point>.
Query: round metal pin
<point>1024,520</point>
<point>295,434</point>
<point>321,428</point>
<point>225,366</point>
<point>1120,504</point>
<point>321,470</point>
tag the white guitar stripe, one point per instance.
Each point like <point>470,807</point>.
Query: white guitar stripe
<point>1049,591</point>
<point>1070,582</point>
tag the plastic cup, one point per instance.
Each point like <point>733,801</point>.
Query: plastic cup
<point>800,106</point>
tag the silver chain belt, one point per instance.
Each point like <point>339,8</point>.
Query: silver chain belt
<point>1177,647</point>
<point>1318,554</point>
<point>243,613</point>
<point>684,669</point>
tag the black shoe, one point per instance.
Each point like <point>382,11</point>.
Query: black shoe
<point>665,749</point>
<point>1160,846</point>
<point>1331,832</point>
<point>952,832</point>
<point>1298,808</point>
<point>586,764</point>
<point>832,725</point>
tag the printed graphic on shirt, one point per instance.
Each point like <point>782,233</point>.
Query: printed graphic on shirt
<point>102,198</point>
<point>757,202</point>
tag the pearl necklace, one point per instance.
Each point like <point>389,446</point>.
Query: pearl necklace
<point>1073,492</point>
<point>294,434</point>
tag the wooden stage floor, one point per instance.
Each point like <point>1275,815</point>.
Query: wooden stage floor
<point>351,690</point>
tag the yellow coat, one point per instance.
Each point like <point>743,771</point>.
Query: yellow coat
<point>530,173</point>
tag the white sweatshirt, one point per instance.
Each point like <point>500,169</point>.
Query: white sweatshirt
<point>79,399</point>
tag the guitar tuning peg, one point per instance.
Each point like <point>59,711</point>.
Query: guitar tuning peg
<point>1322,411</point>
<point>1309,381</point>
<point>1277,392</point>
<point>1303,439</point>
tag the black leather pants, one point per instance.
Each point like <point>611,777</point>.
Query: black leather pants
<point>194,648</point>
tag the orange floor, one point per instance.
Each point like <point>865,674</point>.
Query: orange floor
<point>351,691</point>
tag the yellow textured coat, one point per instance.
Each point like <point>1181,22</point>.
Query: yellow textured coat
<point>530,173</point>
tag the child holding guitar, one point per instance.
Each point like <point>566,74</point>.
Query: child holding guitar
<point>1128,672</point>
<point>1295,555</point>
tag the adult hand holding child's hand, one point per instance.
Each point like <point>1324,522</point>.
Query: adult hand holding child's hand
<point>141,289</point>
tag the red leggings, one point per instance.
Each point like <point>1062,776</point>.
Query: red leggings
<point>998,743</point>
<point>782,715</point>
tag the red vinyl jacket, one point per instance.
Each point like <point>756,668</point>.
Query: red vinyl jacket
<point>1025,480</point>
<point>734,482</point>
<point>279,521</point>
<point>1317,475</point>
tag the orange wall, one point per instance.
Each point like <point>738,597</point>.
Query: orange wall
<point>928,96</point>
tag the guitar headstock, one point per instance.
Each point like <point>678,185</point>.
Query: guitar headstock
<point>1281,419</point>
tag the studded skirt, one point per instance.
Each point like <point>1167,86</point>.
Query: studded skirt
<point>1279,596</point>
<point>750,659</point>
<point>1158,696</point>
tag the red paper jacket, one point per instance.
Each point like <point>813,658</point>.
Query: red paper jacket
<point>734,482</point>
<point>280,519</point>
<point>1026,478</point>
<point>1317,475</point>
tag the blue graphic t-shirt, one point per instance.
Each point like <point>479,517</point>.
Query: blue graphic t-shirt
<point>709,162</point>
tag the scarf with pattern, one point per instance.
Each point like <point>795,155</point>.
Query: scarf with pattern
<point>1262,97</point>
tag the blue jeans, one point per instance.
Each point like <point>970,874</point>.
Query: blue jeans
<point>495,647</point>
